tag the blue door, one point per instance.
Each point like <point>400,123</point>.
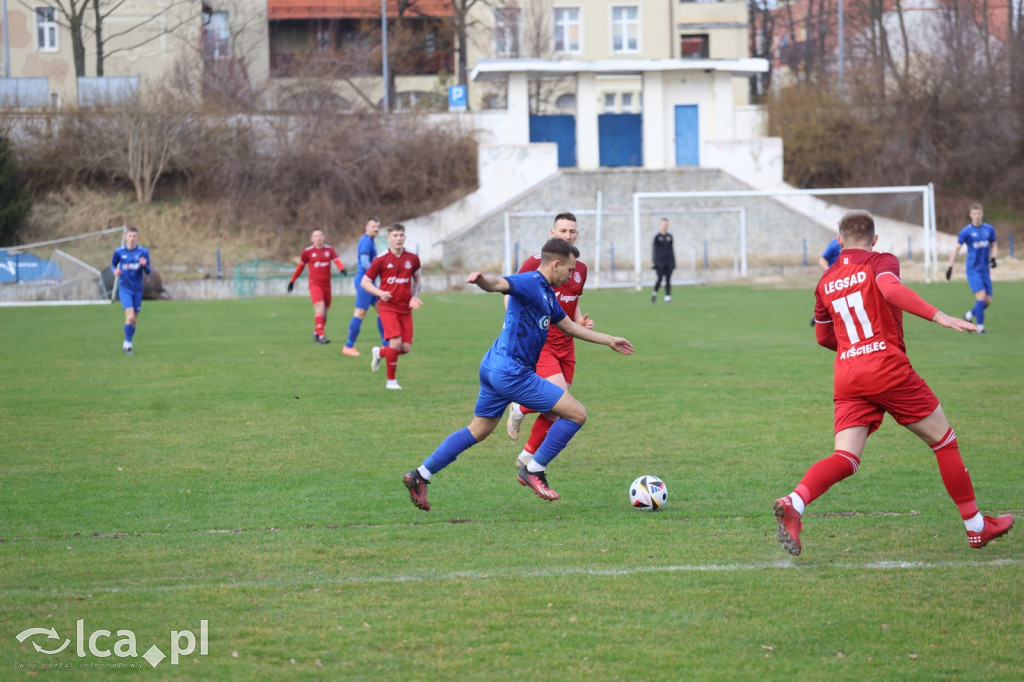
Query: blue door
<point>561,129</point>
<point>620,139</point>
<point>687,136</point>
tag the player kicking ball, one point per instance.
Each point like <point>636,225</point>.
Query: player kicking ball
<point>508,371</point>
<point>858,313</point>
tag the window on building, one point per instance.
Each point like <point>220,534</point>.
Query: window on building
<point>693,47</point>
<point>567,29</point>
<point>46,29</point>
<point>609,101</point>
<point>217,36</point>
<point>627,101</point>
<point>565,102</point>
<point>506,32</point>
<point>625,30</point>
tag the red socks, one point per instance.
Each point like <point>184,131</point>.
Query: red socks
<point>538,432</point>
<point>954,475</point>
<point>390,355</point>
<point>318,322</point>
<point>826,473</point>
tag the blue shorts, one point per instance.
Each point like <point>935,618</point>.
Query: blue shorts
<point>498,389</point>
<point>130,298</point>
<point>364,299</point>
<point>980,280</point>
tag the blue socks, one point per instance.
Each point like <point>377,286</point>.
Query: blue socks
<point>979,312</point>
<point>129,332</point>
<point>449,449</point>
<point>559,435</point>
<point>353,331</point>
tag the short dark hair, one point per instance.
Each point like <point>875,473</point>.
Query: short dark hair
<point>975,207</point>
<point>565,215</point>
<point>396,227</point>
<point>132,228</point>
<point>557,249</point>
<point>373,219</point>
<point>858,225</point>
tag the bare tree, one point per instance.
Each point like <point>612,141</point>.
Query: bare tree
<point>167,19</point>
<point>74,15</point>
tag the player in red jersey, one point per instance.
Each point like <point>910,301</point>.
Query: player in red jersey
<point>858,313</point>
<point>399,290</point>
<point>319,256</point>
<point>557,362</point>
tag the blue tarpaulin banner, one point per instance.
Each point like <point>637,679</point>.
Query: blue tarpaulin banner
<point>24,267</point>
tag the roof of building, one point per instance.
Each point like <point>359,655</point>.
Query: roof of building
<point>354,9</point>
<point>499,69</point>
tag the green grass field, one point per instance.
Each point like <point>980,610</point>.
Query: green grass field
<point>234,472</point>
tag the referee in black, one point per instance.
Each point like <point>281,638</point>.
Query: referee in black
<point>664,257</point>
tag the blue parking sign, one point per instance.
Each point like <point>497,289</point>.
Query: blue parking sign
<point>456,98</point>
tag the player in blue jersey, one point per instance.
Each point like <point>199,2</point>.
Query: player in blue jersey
<point>829,255</point>
<point>129,263</point>
<point>366,252</point>
<point>507,371</point>
<point>982,250</point>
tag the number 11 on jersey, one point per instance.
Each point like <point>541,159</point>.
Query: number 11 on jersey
<point>854,302</point>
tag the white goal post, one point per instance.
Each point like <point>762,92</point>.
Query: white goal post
<point>40,274</point>
<point>796,200</point>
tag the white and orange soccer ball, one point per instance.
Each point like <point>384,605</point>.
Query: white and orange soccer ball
<point>648,493</point>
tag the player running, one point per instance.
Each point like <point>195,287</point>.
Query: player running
<point>129,262</point>
<point>507,371</point>
<point>557,362</point>
<point>859,306</point>
<point>399,291</point>
<point>319,256</point>
<point>982,250</point>
<point>366,252</point>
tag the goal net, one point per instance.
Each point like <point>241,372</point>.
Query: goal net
<point>260,277</point>
<point>67,271</point>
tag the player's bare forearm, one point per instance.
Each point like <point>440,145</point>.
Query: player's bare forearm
<point>488,283</point>
<point>578,331</point>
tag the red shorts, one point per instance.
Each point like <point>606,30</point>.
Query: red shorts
<point>320,293</point>
<point>549,364</point>
<point>396,324</point>
<point>908,402</point>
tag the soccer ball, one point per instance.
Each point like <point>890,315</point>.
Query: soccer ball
<point>648,493</point>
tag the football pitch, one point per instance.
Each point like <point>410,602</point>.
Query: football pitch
<point>230,497</point>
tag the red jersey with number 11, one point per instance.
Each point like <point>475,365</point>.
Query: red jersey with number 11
<point>871,355</point>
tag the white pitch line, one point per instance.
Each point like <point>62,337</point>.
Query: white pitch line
<point>320,581</point>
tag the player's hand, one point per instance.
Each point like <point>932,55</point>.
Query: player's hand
<point>949,272</point>
<point>587,322</point>
<point>385,296</point>
<point>291,285</point>
<point>957,323</point>
<point>621,345</point>
<point>143,261</point>
<point>344,272</point>
<point>474,277</point>
<point>992,262</point>
<point>415,303</point>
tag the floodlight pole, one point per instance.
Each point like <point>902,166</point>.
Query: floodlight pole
<point>7,44</point>
<point>384,50</point>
